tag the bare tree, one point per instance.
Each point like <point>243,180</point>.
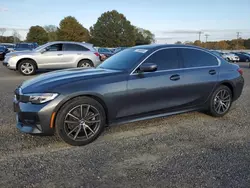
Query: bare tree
<point>16,36</point>
<point>2,31</point>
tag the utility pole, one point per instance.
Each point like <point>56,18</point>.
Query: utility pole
<point>206,35</point>
<point>237,41</point>
<point>200,32</point>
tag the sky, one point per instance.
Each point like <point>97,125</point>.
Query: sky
<point>169,20</point>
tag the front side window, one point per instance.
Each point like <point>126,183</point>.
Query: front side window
<point>165,59</point>
<point>54,47</point>
<point>197,58</point>
<point>74,47</point>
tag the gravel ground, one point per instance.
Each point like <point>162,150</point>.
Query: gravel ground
<point>187,150</point>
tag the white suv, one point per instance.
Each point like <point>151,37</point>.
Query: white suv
<point>231,57</point>
<point>53,55</point>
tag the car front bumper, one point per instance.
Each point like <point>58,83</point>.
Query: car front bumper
<point>10,62</point>
<point>35,118</point>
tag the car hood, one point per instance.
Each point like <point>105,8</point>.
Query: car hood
<point>48,81</point>
<point>25,52</point>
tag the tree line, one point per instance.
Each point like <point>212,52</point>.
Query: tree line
<point>235,44</point>
<point>112,29</point>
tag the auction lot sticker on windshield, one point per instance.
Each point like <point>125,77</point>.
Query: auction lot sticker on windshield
<point>141,50</point>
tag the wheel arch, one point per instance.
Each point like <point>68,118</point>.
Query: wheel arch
<point>230,86</point>
<point>87,60</point>
<point>90,95</point>
<point>20,60</point>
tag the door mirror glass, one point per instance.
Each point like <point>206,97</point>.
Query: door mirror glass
<point>148,67</point>
<point>43,50</point>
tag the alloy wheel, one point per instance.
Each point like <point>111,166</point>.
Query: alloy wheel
<point>222,101</point>
<point>82,122</point>
<point>85,64</point>
<point>27,68</point>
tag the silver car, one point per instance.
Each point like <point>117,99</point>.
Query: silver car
<point>53,55</point>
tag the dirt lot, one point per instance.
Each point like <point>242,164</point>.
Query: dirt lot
<point>188,150</point>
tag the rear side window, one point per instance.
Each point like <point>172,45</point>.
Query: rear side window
<point>165,59</point>
<point>74,47</point>
<point>197,58</point>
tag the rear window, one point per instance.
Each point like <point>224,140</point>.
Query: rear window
<point>74,47</point>
<point>24,46</point>
<point>197,58</point>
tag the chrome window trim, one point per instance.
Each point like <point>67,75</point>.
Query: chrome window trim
<point>219,61</point>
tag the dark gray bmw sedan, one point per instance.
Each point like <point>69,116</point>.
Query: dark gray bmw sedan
<point>138,83</point>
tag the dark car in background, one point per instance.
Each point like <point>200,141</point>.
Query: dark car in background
<point>243,57</point>
<point>105,52</point>
<point>3,52</point>
<point>138,83</point>
<point>9,46</point>
<point>25,46</point>
<point>119,49</point>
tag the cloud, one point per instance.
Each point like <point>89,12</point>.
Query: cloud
<point>4,9</point>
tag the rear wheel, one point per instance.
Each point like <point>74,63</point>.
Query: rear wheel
<point>85,63</point>
<point>220,101</point>
<point>80,121</point>
<point>27,67</point>
<point>247,60</point>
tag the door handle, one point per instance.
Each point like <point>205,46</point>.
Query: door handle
<point>212,72</point>
<point>59,54</point>
<point>175,77</point>
<point>79,54</point>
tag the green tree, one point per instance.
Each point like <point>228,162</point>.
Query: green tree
<point>178,42</point>
<point>37,34</point>
<point>112,29</point>
<point>143,36</point>
<point>247,43</point>
<point>198,43</point>
<point>52,32</point>
<point>71,30</point>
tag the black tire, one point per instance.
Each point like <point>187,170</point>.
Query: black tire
<point>85,63</point>
<point>64,129</point>
<point>31,67</point>
<point>214,102</point>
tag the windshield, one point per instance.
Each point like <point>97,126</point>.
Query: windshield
<point>40,47</point>
<point>124,60</point>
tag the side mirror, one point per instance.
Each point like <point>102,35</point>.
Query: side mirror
<point>148,67</point>
<point>43,50</point>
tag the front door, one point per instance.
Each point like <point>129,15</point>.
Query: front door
<point>51,58</point>
<point>159,90</point>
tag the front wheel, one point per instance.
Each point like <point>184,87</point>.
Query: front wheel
<point>80,121</point>
<point>27,67</point>
<point>220,101</point>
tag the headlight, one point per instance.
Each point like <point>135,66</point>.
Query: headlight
<point>40,98</point>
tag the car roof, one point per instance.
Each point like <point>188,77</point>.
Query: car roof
<point>158,46</point>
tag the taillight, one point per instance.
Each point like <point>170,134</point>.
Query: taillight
<point>240,71</point>
<point>97,54</point>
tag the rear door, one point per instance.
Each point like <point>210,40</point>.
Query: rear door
<point>51,58</point>
<point>72,54</point>
<point>200,74</point>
